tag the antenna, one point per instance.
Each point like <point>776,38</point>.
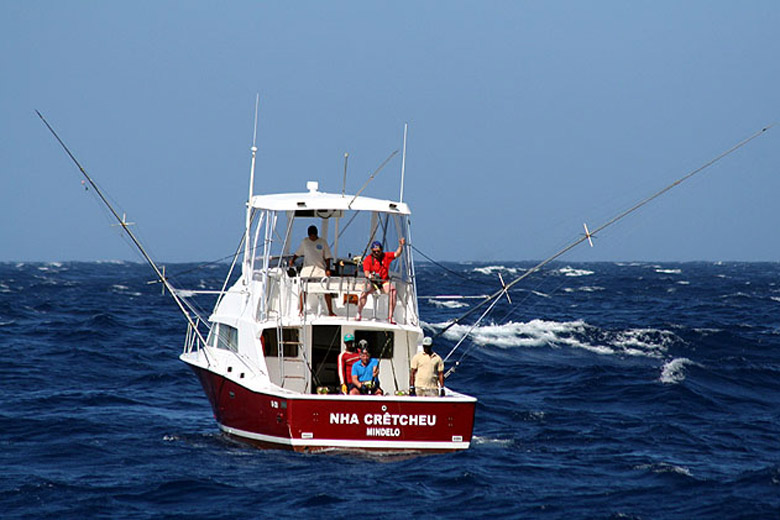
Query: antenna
<point>247,262</point>
<point>344,184</point>
<point>403,164</point>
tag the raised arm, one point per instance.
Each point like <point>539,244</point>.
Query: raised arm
<point>401,242</point>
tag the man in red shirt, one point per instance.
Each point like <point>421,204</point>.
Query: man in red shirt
<point>376,267</point>
<point>346,359</point>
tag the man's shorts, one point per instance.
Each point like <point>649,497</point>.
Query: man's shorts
<point>312,271</point>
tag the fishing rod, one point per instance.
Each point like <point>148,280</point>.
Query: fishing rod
<point>590,234</point>
<point>125,226</point>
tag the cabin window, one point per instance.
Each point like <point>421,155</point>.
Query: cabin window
<point>290,342</point>
<point>227,337</point>
<point>380,342</point>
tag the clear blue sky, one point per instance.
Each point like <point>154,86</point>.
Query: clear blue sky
<point>526,119</point>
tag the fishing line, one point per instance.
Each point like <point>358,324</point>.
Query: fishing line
<point>431,260</point>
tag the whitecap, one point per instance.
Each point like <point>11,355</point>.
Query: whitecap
<point>476,439</point>
<point>668,271</point>
<point>585,289</point>
<point>120,287</point>
<point>651,343</point>
<point>663,467</point>
<point>643,342</point>
<point>448,304</point>
<point>684,282</point>
<point>570,271</point>
<point>490,269</point>
<point>775,298</point>
<point>673,371</point>
<point>535,333</point>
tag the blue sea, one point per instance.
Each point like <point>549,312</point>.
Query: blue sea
<point>606,390</point>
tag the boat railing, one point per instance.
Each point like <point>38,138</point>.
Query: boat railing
<point>192,340</point>
<point>284,297</point>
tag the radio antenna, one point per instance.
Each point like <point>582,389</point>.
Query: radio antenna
<point>247,261</point>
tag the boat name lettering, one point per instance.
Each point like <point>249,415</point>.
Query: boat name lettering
<point>343,418</point>
<point>383,432</point>
<point>385,419</point>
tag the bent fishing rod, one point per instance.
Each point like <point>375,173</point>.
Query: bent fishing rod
<point>125,226</point>
<point>590,234</point>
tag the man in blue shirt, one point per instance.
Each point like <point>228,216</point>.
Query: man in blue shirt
<point>365,374</point>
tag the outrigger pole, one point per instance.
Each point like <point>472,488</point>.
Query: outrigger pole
<point>590,234</point>
<point>125,226</point>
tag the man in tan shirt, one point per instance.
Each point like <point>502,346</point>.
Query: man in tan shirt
<point>427,371</point>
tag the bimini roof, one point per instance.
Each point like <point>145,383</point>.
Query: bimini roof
<point>318,200</point>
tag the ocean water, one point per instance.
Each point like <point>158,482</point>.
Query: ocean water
<point>605,390</point>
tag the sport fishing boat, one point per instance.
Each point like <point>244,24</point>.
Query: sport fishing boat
<point>269,363</point>
<point>267,355</point>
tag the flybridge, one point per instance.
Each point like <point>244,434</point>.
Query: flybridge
<point>318,201</point>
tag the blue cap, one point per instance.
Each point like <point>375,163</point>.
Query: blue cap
<point>376,243</point>
<point>348,337</point>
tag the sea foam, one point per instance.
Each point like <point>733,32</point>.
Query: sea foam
<point>673,371</point>
<point>578,334</point>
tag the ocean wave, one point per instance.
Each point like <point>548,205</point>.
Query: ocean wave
<point>487,441</point>
<point>668,271</point>
<point>673,371</point>
<point>490,269</point>
<point>572,334</point>
<point>123,289</point>
<point>448,304</point>
<point>587,288</point>
<point>570,271</point>
<point>664,467</point>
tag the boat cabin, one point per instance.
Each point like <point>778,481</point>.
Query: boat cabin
<point>276,315</point>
